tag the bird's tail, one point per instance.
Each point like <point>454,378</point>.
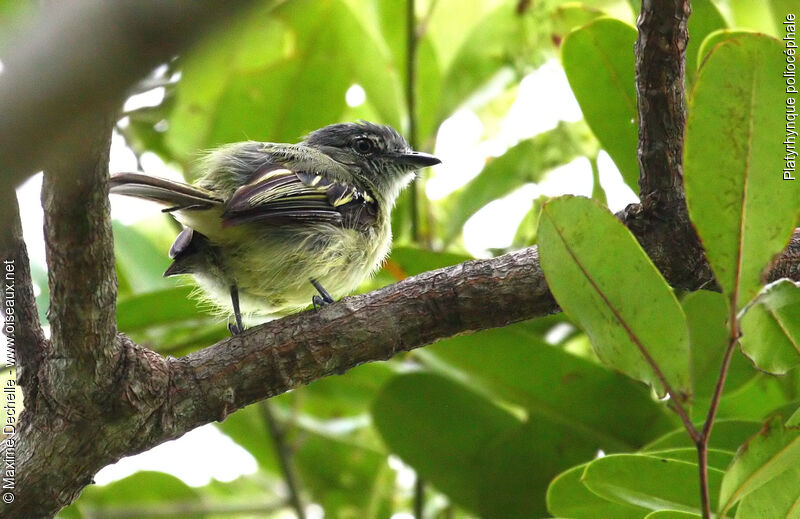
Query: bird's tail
<point>175,195</point>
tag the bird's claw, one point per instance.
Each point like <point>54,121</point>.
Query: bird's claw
<point>235,329</point>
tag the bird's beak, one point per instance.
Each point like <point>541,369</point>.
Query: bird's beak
<point>417,159</point>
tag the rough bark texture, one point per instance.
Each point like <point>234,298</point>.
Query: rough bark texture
<point>93,396</point>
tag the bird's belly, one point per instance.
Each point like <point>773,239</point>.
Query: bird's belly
<point>274,272</point>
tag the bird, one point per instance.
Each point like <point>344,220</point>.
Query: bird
<point>269,228</point>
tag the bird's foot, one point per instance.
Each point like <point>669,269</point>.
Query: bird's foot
<point>235,329</point>
<point>323,299</point>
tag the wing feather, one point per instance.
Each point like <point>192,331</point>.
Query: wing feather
<point>283,195</point>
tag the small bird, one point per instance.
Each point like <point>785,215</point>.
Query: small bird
<point>271,227</point>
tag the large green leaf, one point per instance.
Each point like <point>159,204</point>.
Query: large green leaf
<point>567,496</point>
<point>712,40</point>
<point>442,429</point>
<point>778,499</point>
<point>501,44</point>
<point>280,73</point>
<point>704,20</point>
<point>650,482</point>
<point>727,435</point>
<point>338,397</point>
<point>706,314</point>
<point>167,306</point>
<point>483,457</point>
<point>141,489</point>
<point>671,514</point>
<point>771,328</point>
<point>526,162</point>
<point>764,457</point>
<point>719,459</point>
<point>516,365</point>
<point>743,211</point>
<point>598,61</point>
<point>140,263</point>
<point>765,16</point>
<point>603,279</point>
<point>347,479</point>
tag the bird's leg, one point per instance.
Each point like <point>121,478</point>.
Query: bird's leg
<point>323,299</point>
<point>237,328</point>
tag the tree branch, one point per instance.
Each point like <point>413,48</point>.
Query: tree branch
<point>29,341</point>
<point>83,282</point>
<point>661,98</point>
<point>84,56</point>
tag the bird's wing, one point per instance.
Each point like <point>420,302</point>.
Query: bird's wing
<point>176,195</point>
<point>283,195</point>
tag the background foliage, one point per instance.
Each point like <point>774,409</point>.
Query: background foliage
<point>505,423</point>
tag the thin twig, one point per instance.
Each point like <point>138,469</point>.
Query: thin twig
<point>419,497</point>
<point>702,445</point>
<point>278,435</point>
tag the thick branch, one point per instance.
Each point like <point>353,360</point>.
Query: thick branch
<point>661,222</point>
<point>660,77</point>
<point>83,282</point>
<point>82,58</point>
<point>273,358</point>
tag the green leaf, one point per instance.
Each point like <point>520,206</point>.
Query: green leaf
<point>142,488</point>
<point>728,435</point>
<point>712,40</point>
<point>603,280</point>
<point>528,230</point>
<point>779,498</point>
<point>442,429</point>
<point>670,514</point>
<point>477,453</point>
<point>279,73</point>
<point>516,365</point>
<point>771,328</point>
<point>719,459</point>
<point>707,314</point>
<point>139,261</point>
<point>568,17</point>
<point>499,47</point>
<point>743,211</point>
<point>650,482</point>
<point>567,496</point>
<point>598,61</point>
<point>338,397</point>
<point>167,306</point>
<point>526,162</point>
<point>343,476</point>
<point>767,455</point>
<point>760,16</point>
<point>704,20</point>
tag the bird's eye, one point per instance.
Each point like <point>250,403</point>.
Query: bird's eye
<point>364,146</point>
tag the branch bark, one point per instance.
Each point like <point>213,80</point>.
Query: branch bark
<point>29,340</point>
<point>84,56</point>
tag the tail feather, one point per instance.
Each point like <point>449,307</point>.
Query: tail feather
<point>176,195</point>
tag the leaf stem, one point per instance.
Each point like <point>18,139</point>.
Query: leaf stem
<point>702,444</point>
<point>419,497</point>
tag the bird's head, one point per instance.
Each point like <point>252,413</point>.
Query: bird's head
<point>376,154</point>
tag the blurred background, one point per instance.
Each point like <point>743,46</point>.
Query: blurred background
<point>519,108</point>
